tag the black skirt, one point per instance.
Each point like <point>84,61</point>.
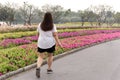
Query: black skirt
<point>49,50</point>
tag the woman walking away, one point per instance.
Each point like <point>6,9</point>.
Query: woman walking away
<point>47,41</point>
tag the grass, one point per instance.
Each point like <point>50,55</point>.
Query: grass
<point>85,24</point>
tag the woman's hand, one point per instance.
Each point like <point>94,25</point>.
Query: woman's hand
<point>59,44</point>
<point>57,40</point>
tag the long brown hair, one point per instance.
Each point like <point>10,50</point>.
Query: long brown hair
<point>47,23</point>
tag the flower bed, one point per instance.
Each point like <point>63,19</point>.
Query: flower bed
<point>21,52</point>
<point>19,28</point>
<point>13,42</point>
<point>16,35</point>
<point>64,31</point>
<point>17,57</point>
<point>85,32</point>
<point>25,40</point>
<point>80,41</point>
<point>7,29</point>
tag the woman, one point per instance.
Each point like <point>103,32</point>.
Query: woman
<point>47,40</point>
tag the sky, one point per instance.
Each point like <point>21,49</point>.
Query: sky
<point>74,5</point>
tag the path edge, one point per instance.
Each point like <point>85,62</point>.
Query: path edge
<point>26,68</point>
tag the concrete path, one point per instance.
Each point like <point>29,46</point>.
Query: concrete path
<point>100,62</point>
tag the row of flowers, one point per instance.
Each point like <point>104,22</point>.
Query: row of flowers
<point>19,28</point>
<point>32,33</point>
<point>17,57</point>
<point>80,41</point>
<point>16,34</point>
<point>18,41</point>
<point>27,40</point>
<point>14,58</point>
<point>16,28</point>
<point>28,33</point>
<point>85,32</point>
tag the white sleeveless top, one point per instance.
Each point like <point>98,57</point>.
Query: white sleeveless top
<point>46,39</point>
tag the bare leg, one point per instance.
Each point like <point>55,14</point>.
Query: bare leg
<point>50,60</point>
<point>40,59</point>
<point>39,63</point>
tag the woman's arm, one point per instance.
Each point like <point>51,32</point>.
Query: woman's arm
<point>38,34</point>
<point>57,39</point>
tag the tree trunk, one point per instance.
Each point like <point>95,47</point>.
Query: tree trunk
<point>82,23</point>
<point>91,23</point>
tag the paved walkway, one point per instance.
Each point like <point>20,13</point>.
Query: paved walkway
<point>100,62</point>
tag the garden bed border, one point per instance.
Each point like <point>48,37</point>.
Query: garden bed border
<point>10,74</point>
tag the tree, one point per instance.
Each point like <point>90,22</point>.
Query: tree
<point>90,15</point>
<point>3,15</point>
<point>117,18</point>
<point>82,16</point>
<point>56,10</point>
<point>39,13</point>
<point>70,16</point>
<point>110,20</point>
<point>27,13</point>
<point>101,12</point>
<point>7,13</point>
<point>65,17</point>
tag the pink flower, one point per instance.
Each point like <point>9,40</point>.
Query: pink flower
<point>80,41</point>
<point>0,74</point>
